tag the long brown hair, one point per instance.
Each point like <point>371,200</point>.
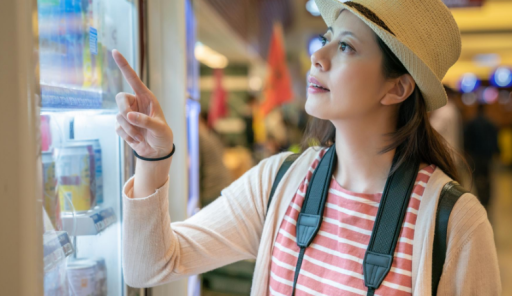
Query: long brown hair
<point>414,137</point>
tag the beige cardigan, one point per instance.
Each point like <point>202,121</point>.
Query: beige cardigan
<point>234,228</point>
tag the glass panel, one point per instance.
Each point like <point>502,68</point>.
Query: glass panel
<point>76,39</point>
<point>82,155</point>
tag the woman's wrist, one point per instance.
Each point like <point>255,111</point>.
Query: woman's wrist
<point>149,176</point>
<point>158,158</point>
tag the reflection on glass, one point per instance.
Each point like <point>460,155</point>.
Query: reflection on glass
<point>76,39</point>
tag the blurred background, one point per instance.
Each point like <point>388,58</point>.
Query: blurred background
<point>231,79</point>
<point>477,122</point>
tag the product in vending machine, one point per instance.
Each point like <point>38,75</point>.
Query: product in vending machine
<point>99,171</point>
<point>55,281</point>
<point>92,53</point>
<point>46,136</point>
<point>101,277</point>
<point>89,145</point>
<point>74,178</point>
<point>98,168</point>
<point>49,24</point>
<point>47,223</point>
<point>81,275</point>
<point>50,198</point>
<point>73,41</point>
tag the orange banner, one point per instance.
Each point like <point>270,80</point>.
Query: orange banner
<point>278,86</point>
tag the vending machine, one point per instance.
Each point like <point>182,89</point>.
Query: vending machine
<point>84,162</point>
<point>62,165</point>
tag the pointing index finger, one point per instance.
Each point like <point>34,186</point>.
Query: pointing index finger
<point>128,73</point>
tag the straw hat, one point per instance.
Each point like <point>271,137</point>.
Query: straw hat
<point>422,34</point>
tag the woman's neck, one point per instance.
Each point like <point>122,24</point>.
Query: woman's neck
<point>360,166</point>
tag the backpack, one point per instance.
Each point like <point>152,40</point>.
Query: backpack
<point>450,193</point>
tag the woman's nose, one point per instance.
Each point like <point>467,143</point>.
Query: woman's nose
<point>320,59</point>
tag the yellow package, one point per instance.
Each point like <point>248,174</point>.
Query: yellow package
<point>78,195</point>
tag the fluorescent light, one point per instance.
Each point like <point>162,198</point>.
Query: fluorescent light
<point>503,77</point>
<point>469,83</point>
<point>255,83</point>
<point>312,8</point>
<point>490,94</point>
<point>314,44</point>
<point>487,60</point>
<point>210,57</point>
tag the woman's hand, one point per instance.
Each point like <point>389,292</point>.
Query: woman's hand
<point>141,122</point>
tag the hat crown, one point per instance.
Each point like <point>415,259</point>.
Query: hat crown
<point>426,27</point>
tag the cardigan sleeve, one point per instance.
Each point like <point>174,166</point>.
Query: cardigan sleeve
<point>471,266</point>
<point>156,251</point>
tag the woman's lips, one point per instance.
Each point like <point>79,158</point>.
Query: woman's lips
<point>316,86</point>
<point>315,90</point>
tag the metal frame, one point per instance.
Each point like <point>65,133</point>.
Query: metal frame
<point>166,41</point>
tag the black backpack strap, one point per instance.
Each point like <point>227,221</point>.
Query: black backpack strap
<point>311,214</point>
<point>388,223</point>
<point>450,194</point>
<point>390,216</point>
<point>282,170</point>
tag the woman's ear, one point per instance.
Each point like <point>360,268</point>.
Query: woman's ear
<point>401,88</point>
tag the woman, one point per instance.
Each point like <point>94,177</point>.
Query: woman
<point>371,85</point>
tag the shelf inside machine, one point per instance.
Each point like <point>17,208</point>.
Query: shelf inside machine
<point>88,223</point>
<point>57,246</point>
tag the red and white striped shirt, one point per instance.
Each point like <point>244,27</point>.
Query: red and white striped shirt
<point>332,264</point>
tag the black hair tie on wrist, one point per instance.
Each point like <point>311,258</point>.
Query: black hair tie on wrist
<point>156,159</point>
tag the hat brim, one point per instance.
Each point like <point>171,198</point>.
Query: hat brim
<point>429,84</point>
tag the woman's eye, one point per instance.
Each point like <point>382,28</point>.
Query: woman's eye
<point>344,46</point>
<point>323,40</point>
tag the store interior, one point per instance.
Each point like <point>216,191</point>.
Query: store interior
<point>231,80</point>
<point>237,35</point>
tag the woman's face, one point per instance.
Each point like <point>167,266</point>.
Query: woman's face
<point>349,67</point>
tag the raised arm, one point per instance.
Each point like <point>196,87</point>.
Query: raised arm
<point>141,123</point>
<point>156,251</point>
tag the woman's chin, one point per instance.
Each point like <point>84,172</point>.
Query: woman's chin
<point>314,109</point>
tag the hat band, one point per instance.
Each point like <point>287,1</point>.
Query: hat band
<point>369,15</point>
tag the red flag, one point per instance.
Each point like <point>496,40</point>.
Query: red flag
<point>278,87</point>
<point>218,105</point>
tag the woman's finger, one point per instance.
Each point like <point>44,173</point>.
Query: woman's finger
<point>144,121</point>
<point>129,74</point>
<point>126,103</point>
<point>129,129</point>
<point>121,132</point>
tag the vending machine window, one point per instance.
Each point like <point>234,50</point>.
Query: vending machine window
<point>83,159</point>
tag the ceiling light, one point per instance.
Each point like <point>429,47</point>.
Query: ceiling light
<point>312,8</point>
<point>255,83</point>
<point>210,57</point>
<point>469,83</point>
<point>487,60</point>
<point>490,95</point>
<point>314,44</point>
<point>502,77</point>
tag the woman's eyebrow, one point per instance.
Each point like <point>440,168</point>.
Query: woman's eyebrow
<point>342,32</point>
